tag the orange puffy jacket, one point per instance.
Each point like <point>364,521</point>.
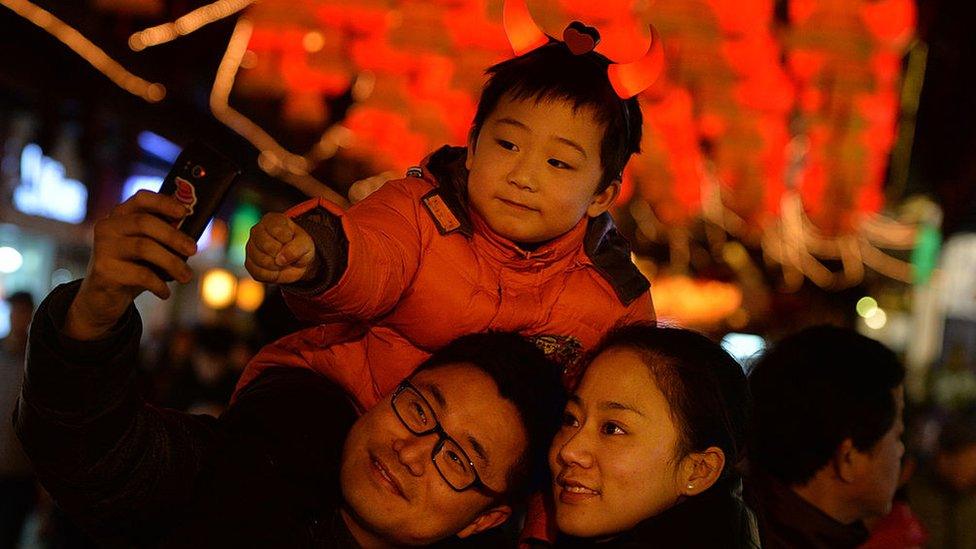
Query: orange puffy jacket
<point>421,270</point>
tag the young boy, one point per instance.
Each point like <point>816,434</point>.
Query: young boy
<point>510,233</point>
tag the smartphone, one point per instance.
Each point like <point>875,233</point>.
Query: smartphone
<point>200,179</point>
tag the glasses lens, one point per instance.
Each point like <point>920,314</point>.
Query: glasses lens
<point>454,465</point>
<point>414,411</point>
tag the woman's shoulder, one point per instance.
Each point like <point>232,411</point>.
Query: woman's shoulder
<point>707,521</point>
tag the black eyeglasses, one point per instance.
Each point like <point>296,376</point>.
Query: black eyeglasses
<point>450,460</point>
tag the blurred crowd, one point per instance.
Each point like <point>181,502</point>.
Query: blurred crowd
<point>187,368</point>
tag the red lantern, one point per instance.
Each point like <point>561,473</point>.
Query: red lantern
<point>891,22</point>
<point>742,16</point>
<point>806,64</point>
<point>802,10</point>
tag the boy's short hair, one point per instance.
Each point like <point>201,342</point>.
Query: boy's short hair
<point>527,379</point>
<point>813,390</point>
<point>552,72</point>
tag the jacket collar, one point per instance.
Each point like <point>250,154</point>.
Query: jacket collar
<point>504,249</point>
<point>788,520</point>
<point>730,525</point>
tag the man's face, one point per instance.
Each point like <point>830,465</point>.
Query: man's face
<point>390,485</point>
<point>535,168</point>
<point>880,473</point>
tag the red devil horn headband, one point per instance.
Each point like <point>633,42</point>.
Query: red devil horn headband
<point>523,34</point>
<point>630,79</point>
<point>627,79</point>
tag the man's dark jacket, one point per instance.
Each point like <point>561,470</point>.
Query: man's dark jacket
<point>135,475</point>
<point>787,521</point>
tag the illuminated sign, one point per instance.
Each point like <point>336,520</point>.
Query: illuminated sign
<point>159,146</point>
<point>244,217</point>
<point>137,183</point>
<point>45,191</point>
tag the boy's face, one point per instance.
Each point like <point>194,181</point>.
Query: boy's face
<point>535,168</point>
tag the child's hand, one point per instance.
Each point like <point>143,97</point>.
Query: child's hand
<point>279,251</point>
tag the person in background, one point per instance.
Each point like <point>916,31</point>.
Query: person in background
<point>17,490</point>
<point>647,455</point>
<point>825,439</point>
<point>944,493</point>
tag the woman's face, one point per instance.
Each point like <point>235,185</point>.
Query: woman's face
<point>614,459</point>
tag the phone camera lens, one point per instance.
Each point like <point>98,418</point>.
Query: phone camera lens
<point>198,172</point>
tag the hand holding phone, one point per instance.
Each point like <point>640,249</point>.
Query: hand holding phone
<point>134,249</point>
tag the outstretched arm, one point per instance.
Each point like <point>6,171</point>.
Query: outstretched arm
<point>109,459</point>
<point>340,265</point>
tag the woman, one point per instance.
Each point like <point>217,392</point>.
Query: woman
<point>649,444</point>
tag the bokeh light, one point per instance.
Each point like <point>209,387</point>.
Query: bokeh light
<point>866,306</point>
<point>10,260</point>
<point>218,288</point>
<point>877,320</point>
<point>313,41</point>
<point>250,295</point>
<point>61,276</point>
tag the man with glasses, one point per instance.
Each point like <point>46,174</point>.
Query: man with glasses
<point>448,456</point>
<point>289,464</point>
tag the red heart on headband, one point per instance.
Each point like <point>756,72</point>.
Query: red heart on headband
<point>580,38</point>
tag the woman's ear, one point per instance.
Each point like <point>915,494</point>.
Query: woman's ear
<point>700,470</point>
<point>604,199</point>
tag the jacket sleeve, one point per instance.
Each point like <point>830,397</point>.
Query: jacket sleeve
<point>315,349</point>
<point>640,310</point>
<point>383,253</point>
<point>114,463</point>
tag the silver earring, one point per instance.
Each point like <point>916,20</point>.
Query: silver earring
<point>691,486</point>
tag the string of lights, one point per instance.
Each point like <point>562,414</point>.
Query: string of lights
<point>200,17</point>
<point>795,243</point>
<point>273,159</point>
<point>95,56</point>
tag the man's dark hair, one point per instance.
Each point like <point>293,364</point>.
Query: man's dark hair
<point>812,391</point>
<point>704,386</point>
<point>21,298</point>
<point>552,72</point>
<point>527,379</point>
